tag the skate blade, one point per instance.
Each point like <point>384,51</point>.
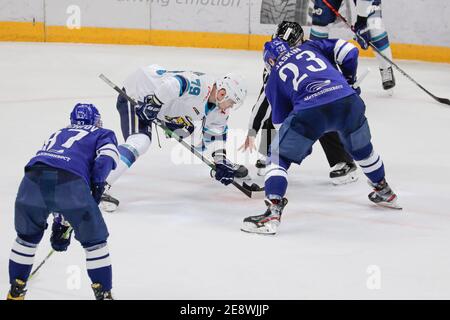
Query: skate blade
<point>390,92</point>
<point>108,206</point>
<point>349,178</point>
<point>249,228</point>
<point>389,205</point>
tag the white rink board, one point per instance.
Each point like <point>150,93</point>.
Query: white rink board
<point>407,21</point>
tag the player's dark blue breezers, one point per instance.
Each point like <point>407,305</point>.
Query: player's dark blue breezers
<point>45,190</point>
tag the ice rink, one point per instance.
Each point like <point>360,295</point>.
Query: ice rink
<point>176,234</point>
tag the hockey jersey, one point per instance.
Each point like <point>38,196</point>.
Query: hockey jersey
<point>76,148</point>
<point>184,95</point>
<point>308,76</point>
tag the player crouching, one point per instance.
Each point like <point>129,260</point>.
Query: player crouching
<point>66,176</point>
<point>309,97</point>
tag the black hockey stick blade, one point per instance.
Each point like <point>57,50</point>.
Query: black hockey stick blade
<point>254,187</point>
<point>243,189</point>
<point>443,100</point>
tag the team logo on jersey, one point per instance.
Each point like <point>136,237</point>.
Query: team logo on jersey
<point>317,85</point>
<point>318,11</point>
<point>181,122</point>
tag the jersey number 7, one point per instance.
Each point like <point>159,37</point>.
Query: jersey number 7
<point>50,143</point>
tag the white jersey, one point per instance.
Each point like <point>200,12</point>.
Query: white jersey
<point>184,95</point>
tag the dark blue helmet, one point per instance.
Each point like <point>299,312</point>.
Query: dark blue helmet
<point>85,114</point>
<point>272,51</point>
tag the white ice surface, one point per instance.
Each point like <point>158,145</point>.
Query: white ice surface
<point>176,235</point>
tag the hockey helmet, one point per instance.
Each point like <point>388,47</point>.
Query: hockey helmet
<point>289,31</point>
<point>235,87</point>
<point>273,50</point>
<point>85,114</point>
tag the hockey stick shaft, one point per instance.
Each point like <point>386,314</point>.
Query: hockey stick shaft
<point>172,134</point>
<point>336,12</point>
<point>361,78</point>
<point>41,264</point>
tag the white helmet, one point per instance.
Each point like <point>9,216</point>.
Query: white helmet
<point>235,88</point>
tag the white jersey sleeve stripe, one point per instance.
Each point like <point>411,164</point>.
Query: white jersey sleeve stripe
<point>338,46</point>
<point>343,52</point>
<point>110,153</point>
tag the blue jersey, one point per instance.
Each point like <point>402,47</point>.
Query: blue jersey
<point>310,75</point>
<point>76,149</point>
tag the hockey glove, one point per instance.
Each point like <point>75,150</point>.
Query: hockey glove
<point>97,189</point>
<point>224,172</point>
<point>351,79</point>
<point>149,109</point>
<point>363,32</point>
<point>60,238</point>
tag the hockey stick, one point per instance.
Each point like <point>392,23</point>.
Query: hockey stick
<point>336,12</point>
<point>65,235</point>
<point>172,134</point>
<point>361,78</point>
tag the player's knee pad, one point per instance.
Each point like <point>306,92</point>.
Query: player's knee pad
<point>31,239</point>
<point>322,15</point>
<point>360,140</point>
<point>290,145</point>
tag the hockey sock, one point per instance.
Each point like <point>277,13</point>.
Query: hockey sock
<point>128,156</point>
<point>21,259</point>
<point>99,266</point>
<point>319,33</point>
<point>135,145</point>
<point>379,38</point>
<point>276,179</point>
<point>370,163</point>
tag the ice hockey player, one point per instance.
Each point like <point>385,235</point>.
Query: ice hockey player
<point>185,102</point>
<point>343,168</point>
<point>309,97</point>
<point>369,25</point>
<point>66,176</point>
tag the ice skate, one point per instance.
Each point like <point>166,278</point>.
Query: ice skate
<point>261,167</point>
<point>388,79</point>
<point>383,195</point>
<point>108,203</point>
<point>343,173</point>
<point>268,222</point>
<point>100,294</point>
<point>17,291</point>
